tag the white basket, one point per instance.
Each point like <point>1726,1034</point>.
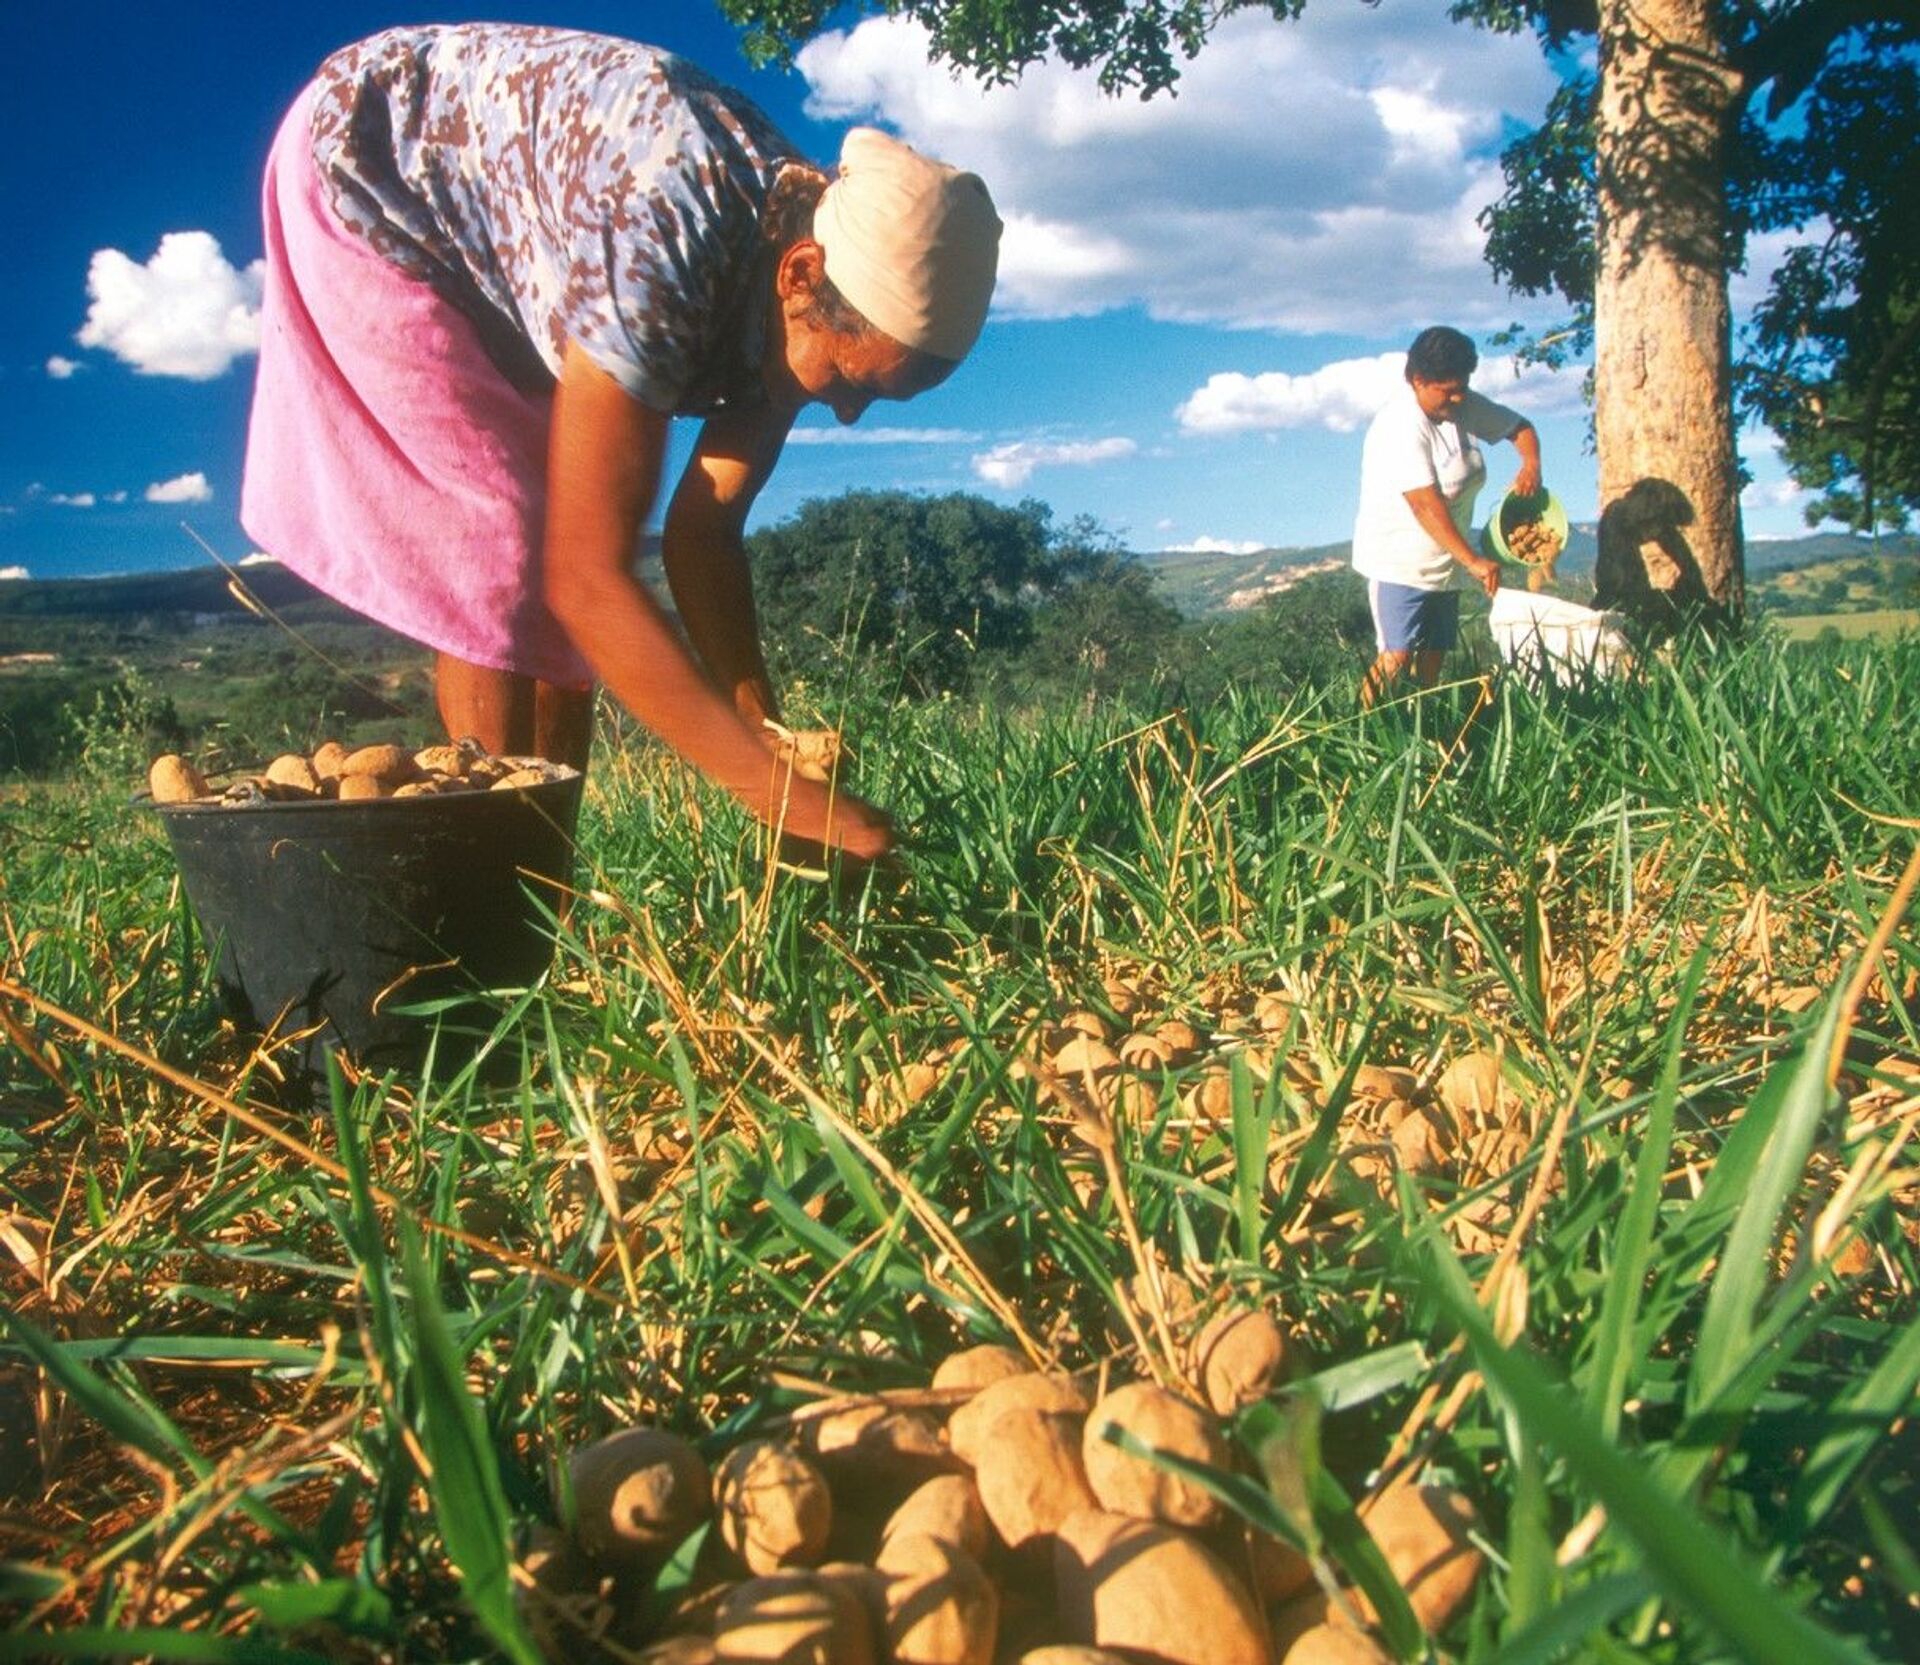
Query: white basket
<point>1543,636</point>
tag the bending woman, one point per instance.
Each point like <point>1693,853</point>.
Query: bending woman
<point>500,261</point>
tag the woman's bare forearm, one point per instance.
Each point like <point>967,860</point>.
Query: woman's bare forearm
<point>1526,440</point>
<point>1436,520</point>
<point>713,590</point>
<point>706,557</point>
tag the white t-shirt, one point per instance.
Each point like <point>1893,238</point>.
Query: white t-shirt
<point>1405,450</point>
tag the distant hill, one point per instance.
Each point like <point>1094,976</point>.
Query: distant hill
<point>1774,554</point>
<point>1855,581</point>
<point>192,592</point>
<point>189,595</point>
<point>1823,571</point>
<point>1201,582</point>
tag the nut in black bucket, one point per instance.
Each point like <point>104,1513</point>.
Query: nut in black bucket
<point>332,917</point>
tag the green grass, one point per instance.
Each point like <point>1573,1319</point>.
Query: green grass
<point>1659,1325</point>
<point>1879,622</point>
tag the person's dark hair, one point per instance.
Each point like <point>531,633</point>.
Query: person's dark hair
<point>1441,354</point>
<point>787,218</point>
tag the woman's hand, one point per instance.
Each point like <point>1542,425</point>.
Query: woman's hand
<point>805,767</point>
<point>1526,440</point>
<point>854,827</point>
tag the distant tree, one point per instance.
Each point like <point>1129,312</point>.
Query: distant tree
<point>1311,634</point>
<point>37,731</point>
<point>1633,201</point>
<point>931,583</point>
<point>1104,628</point>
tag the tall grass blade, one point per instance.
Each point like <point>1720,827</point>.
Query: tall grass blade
<point>1789,1106</point>
<point>468,1501</point>
<point>1575,1617</point>
<point>345,1602</point>
<point>1613,1358</point>
<point>134,1420</point>
<point>1898,1560</point>
<point>1252,1121</point>
<point>1532,1576</point>
<point>1352,1545</point>
<point>1340,1387</point>
<point>1285,1441</point>
<point>22,1583</point>
<point>1312,1160</point>
<point>1681,1552</point>
<point>854,1175</point>
<point>124,1417</point>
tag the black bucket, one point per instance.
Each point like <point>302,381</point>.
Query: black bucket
<point>331,917</point>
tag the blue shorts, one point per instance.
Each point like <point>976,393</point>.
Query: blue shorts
<point>1406,620</point>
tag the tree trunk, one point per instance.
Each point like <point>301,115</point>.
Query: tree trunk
<point>1670,539</point>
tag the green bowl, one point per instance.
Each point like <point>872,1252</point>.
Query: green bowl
<point>1514,511</point>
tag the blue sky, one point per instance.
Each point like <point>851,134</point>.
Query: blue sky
<point>1201,298</point>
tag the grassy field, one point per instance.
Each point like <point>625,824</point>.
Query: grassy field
<point>1876,622</point>
<point>1625,1258</point>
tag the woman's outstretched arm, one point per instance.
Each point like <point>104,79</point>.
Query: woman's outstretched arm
<point>603,474</point>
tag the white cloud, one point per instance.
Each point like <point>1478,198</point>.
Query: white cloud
<point>59,369</point>
<point>12,574</point>
<point>74,499</point>
<point>259,558</point>
<point>1341,396</point>
<point>882,436</point>
<point>182,488</point>
<point>1774,494</point>
<point>187,312</point>
<point>1775,504</point>
<point>1217,546</point>
<point>1421,129</point>
<point>1316,175</point>
<point>1010,466</point>
<point>116,497</point>
<point>1345,394</point>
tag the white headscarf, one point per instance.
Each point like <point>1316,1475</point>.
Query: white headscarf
<point>912,243</point>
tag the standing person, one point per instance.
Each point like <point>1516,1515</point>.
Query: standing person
<point>500,261</point>
<point>1420,472</point>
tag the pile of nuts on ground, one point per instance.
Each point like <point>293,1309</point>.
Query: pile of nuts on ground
<point>1463,1125</point>
<point>987,1519</point>
<point>331,771</point>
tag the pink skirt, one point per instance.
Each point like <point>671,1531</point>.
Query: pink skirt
<point>389,462</point>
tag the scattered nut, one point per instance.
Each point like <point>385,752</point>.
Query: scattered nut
<point>774,1507</point>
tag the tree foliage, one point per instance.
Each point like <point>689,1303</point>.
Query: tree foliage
<point>1834,367</point>
<point>934,584</point>
<point>1135,44</point>
<point>1104,629</point>
<point>1313,634</point>
<point>1826,144</point>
